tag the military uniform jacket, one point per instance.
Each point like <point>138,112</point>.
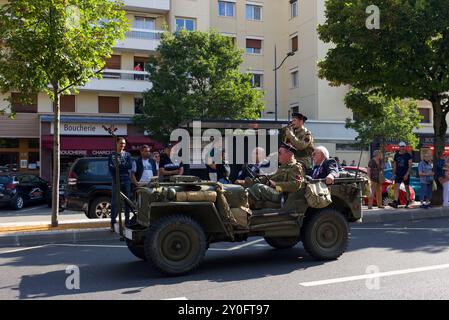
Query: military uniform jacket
<point>289,177</point>
<point>302,140</point>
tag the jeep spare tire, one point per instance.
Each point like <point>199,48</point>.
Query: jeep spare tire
<point>175,245</point>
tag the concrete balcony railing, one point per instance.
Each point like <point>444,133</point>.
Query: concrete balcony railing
<point>114,80</point>
<point>140,40</point>
<point>148,5</point>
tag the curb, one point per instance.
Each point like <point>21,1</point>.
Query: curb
<point>390,215</point>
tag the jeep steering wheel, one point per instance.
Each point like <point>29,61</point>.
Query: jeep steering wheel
<point>263,179</point>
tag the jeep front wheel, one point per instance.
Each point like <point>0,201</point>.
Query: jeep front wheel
<point>282,242</point>
<point>175,245</point>
<point>325,234</point>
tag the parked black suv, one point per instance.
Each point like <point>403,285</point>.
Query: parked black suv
<point>89,187</point>
<point>18,190</point>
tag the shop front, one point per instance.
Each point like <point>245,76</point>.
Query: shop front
<point>82,137</point>
<point>19,143</point>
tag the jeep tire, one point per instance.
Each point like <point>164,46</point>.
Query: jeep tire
<point>175,245</point>
<point>282,242</point>
<point>325,234</point>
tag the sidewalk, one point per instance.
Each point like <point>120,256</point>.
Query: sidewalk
<point>75,231</point>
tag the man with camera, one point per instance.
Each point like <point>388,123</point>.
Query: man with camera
<point>301,138</point>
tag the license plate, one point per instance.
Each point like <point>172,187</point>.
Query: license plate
<point>128,234</point>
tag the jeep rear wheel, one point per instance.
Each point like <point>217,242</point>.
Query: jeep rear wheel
<point>100,208</point>
<point>282,242</point>
<point>175,245</point>
<point>325,234</point>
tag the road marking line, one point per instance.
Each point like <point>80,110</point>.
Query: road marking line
<point>178,298</point>
<point>397,228</point>
<point>88,245</point>
<point>245,245</point>
<point>23,249</point>
<point>373,275</point>
<point>34,208</point>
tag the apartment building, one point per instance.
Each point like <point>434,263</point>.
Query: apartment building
<point>264,29</point>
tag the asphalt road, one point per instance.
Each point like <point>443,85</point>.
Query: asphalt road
<point>403,260</point>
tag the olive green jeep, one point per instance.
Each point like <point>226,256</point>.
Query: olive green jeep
<point>175,222</point>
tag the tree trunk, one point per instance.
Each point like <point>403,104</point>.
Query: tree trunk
<point>56,158</point>
<point>440,128</point>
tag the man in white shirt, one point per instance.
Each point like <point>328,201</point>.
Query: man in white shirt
<point>144,168</point>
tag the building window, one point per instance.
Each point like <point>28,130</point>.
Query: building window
<point>9,143</point>
<point>186,24</point>
<point>33,143</point>
<point>138,105</point>
<point>22,106</point>
<point>425,112</point>
<point>108,104</point>
<point>67,103</point>
<point>293,8</point>
<point>144,23</point>
<point>295,79</point>
<point>253,46</point>
<point>257,80</point>
<point>294,43</point>
<point>226,9</point>
<point>253,12</point>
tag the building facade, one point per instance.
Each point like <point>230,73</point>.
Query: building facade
<point>266,30</point>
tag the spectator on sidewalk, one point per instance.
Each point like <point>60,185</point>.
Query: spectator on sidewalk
<point>169,167</point>
<point>144,168</point>
<point>425,171</point>
<point>157,158</point>
<point>402,164</point>
<point>124,164</point>
<point>443,177</point>
<point>375,175</point>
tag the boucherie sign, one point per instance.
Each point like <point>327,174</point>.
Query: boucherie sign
<point>88,129</point>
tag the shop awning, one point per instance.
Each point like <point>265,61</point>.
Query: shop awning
<point>80,143</point>
<point>98,143</point>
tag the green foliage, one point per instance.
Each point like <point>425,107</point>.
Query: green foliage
<point>60,43</point>
<point>195,75</point>
<point>407,57</point>
<point>382,118</point>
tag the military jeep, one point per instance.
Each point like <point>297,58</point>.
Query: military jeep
<point>176,221</point>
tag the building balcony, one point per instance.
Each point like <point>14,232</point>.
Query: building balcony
<point>128,81</point>
<point>140,40</point>
<point>147,5</point>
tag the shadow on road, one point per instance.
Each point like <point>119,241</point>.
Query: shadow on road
<point>112,269</point>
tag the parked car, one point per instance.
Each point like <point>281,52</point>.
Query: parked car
<point>89,187</point>
<point>18,190</point>
<point>387,188</point>
<point>414,178</point>
<point>62,199</point>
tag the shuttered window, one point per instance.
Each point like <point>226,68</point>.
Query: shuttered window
<point>253,46</point>
<point>68,103</point>
<point>295,43</point>
<point>19,106</point>
<point>108,104</point>
<point>114,62</point>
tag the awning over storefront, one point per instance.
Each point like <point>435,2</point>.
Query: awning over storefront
<point>97,145</point>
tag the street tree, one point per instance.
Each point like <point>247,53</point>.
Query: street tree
<point>398,48</point>
<point>54,46</point>
<point>195,75</point>
<point>380,118</point>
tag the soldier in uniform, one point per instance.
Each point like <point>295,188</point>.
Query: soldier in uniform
<point>288,178</point>
<point>299,137</point>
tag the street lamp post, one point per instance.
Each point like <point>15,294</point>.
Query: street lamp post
<point>289,54</point>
